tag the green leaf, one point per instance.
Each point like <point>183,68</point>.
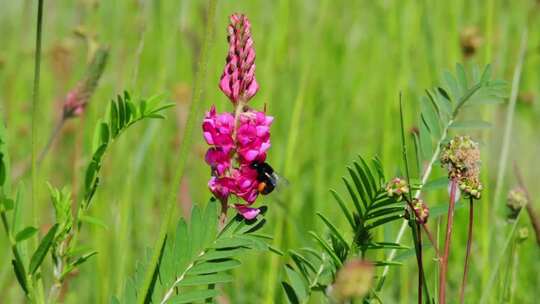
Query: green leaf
<point>182,247</point>
<point>206,279</point>
<point>473,124</point>
<point>214,266</point>
<point>8,204</point>
<point>462,79</point>
<point>289,291</point>
<point>383,212</point>
<point>222,254</point>
<point>334,230</point>
<point>352,194</point>
<point>20,274</point>
<point>122,121</point>
<point>430,117</point>
<point>343,207</point>
<point>383,221</point>
<point>211,214</point>
<point>25,234</point>
<point>94,221</point>
<point>327,248</point>
<point>198,229</point>
<point>41,251</point>
<point>298,284</point>
<point>113,117</point>
<point>193,296</point>
<point>387,245</point>
<point>84,258</point>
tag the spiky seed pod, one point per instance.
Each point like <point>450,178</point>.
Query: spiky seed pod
<point>77,99</point>
<point>515,201</point>
<point>353,281</point>
<point>238,79</point>
<point>461,157</point>
<point>396,188</point>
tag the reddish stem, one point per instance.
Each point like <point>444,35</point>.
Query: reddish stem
<point>420,264</point>
<point>468,253</point>
<point>444,258</point>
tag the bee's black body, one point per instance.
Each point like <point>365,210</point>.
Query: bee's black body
<point>265,176</point>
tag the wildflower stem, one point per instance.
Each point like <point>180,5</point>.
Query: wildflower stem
<point>54,134</point>
<point>193,116</point>
<point>37,295</point>
<point>446,253</point>
<point>509,119</point>
<point>35,103</point>
<point>468,252</point>
<point>425,176</point>
<point>487,291</point>
<point>533,216</point>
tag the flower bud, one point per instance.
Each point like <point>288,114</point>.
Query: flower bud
<point>353,280</point>
<point>77,99</point>
<point>421,210</point>
<point>238,79</point>
<point>461,157</point>
<point>396,188</point>
<point>515,201</point>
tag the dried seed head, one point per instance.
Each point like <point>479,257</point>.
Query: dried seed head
<point>461,157</point>
<point>396,188</point>
<point>470,40</point>
<point>77,99</point>
<point>515,201</point>
<point>421,210</point>
<point>238,79</point>
<point>353,280</point>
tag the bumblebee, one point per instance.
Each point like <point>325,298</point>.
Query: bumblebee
<point>267,178</point>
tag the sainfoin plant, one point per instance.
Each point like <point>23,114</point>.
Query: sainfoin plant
<point>384,214</point>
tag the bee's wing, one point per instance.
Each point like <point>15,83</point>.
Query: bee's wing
<point>278,180</point>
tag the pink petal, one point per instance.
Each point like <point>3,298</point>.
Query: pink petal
<point>247,212</point>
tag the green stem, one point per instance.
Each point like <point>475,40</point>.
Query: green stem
<point>509,119</point>
<point>487,291</point>
<point>468,252</point>
<point>193,116</point>
<point>35,111</point>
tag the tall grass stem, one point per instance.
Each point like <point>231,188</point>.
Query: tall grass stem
<point>509,120</point>
<point>185,146</point>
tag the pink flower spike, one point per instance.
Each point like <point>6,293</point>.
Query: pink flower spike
<point>247,212</point>
<point>238,79</point>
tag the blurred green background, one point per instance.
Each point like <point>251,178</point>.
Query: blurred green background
<point>330,72</point>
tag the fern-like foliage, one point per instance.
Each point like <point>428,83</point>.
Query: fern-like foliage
<point>441,106</point>
<point>197,257</point>
<point>61,240</point>
<point>122,114</point>
<point>370,207</point>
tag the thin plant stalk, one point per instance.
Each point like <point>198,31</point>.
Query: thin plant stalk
<point>193,115</point>
<point>533,216</point>
<point>425,176</point>
<point>54,134</point>
<point>447,241</point>
<point>468,252</point>
<point>38,295</point>
<point>487,292</point>
<point>510,118</point>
